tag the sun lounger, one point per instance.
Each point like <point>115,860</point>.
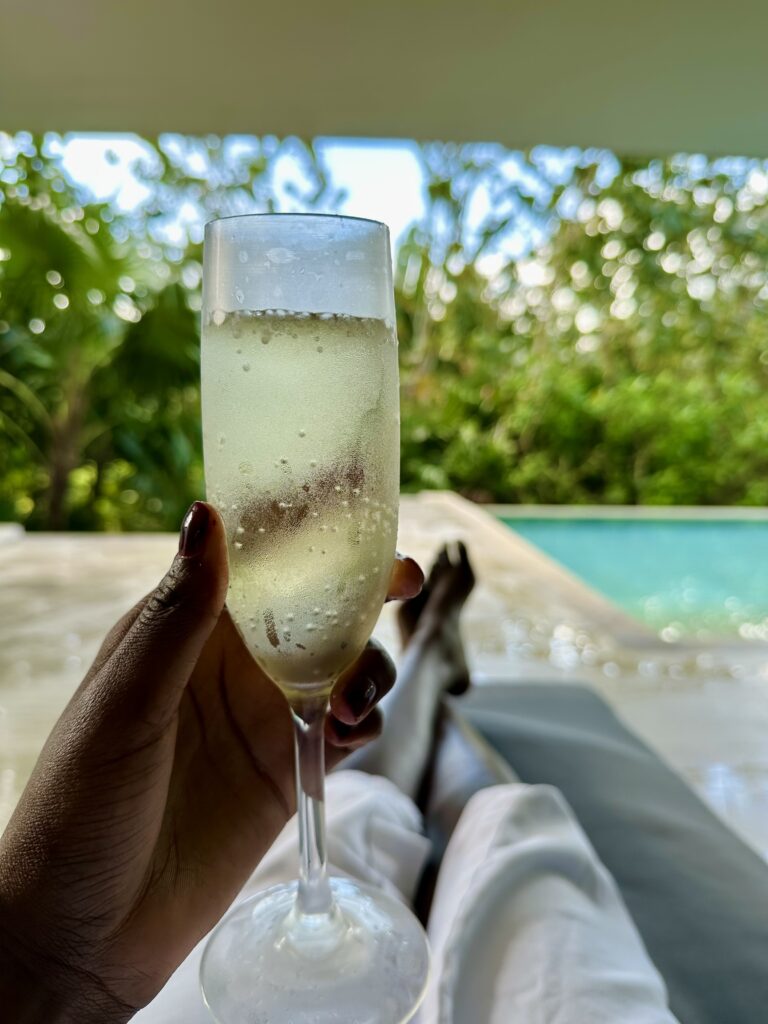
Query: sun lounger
<point>698,894</point>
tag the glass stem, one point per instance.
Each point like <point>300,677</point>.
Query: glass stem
<point>314,895</point>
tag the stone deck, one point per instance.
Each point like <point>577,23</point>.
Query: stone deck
<point>703,707</point>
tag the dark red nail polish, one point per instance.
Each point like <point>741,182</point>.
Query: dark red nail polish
<point>194,530</point>
<point>341,730</point>
<point>361,699</point>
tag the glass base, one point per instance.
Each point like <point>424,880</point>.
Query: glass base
<point>366,964</point>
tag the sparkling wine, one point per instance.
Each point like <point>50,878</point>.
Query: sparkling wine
<point>301,455</point>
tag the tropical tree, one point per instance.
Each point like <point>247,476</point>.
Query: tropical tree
<point>622,359</point>
<point>573,328</point>
<point>99,365</point>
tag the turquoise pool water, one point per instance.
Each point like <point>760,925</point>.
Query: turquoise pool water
<point>678,576</point>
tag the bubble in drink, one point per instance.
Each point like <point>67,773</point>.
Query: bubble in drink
<point>288,503</point>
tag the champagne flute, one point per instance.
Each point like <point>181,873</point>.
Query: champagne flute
<point>301,436</point>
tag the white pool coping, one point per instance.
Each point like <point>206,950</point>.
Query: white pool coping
<point>654,512</point>
<point>10,532</point>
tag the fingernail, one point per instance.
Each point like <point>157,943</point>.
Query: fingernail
<point>360,701</point>
<point>194,530</point>
<point>340,730</point>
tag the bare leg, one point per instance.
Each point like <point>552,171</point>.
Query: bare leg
<point>463,763</point>
<point>433,663</point>
<point>429,752</point>
<point>427,749</point>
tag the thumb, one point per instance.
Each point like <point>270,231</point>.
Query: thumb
<point>152,664</point>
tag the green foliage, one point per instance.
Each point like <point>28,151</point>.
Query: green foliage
<point>99,350</point>
<point>623,361</point>
<point>572,328</point>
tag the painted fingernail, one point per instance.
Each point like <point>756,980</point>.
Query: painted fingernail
<point>341,730</point>
<point>194,530</point>
<point>361,699</point>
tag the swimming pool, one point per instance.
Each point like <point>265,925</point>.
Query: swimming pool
<point>679,576</point>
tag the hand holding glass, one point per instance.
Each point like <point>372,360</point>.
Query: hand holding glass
<point>301,433</point>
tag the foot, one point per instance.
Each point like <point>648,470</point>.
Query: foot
<point>435,613</point>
